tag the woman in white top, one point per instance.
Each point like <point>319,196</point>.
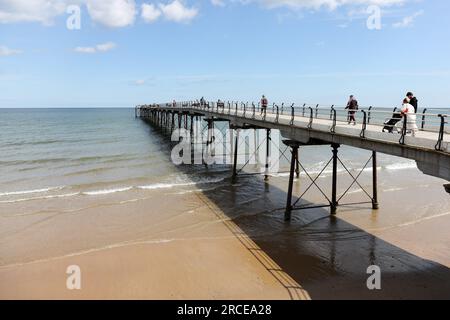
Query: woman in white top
<point>408,111</point>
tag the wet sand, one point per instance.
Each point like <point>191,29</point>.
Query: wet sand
<point>193,254</point>
<point>230,242</point>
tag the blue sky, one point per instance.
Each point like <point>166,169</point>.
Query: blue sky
<point>134,52</point>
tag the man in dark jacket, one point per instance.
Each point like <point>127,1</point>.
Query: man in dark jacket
<point>352,107</point>
<point>413,101</point>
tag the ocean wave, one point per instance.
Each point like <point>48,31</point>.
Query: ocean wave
<point>100,192</point>
<point>180,184</point>
<point>16,193</point>
<point>42,198</point>
<point>106,191</point>
<point>401,166</point>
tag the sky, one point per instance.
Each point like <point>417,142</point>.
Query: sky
<point>122,53</point>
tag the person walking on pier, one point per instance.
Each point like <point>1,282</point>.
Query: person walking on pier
<point>352,106</point>
<point>264,104</point>
<point>413,101</point>
<point>410,114</point>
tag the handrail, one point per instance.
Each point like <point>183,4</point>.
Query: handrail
<point>402,138</point>
<point>430,122</point>
<point>364,125</point>
<point>423,118</point>
<point>292,114</point>
<point>310,118</point>
<point>277,117</point>
<point>438,145</point>
<point>333,126</point>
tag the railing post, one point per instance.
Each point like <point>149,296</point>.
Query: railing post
<point>331,112</point>
<point>402,138</point>
<point>277,115</point>
<point>254,110</point>
<point>438,146</point>
<point>333,127</point>
<point>364,125</point>
<point>369,115</point>
<point>317,110</point>
<point>423,118</point>
<point>303,109</point>
<point>311,115</point>
<point>292,114</point>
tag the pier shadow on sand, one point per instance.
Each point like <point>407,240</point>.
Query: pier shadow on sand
<point>325,255</point>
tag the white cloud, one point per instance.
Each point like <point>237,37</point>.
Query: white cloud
<point>407,21</point>
<point>218,3</point>
<point>139,82</point>
<point>176,11</point>
<point>103,47</point>
<point>112,13</point>
<point>316,4</point>
<point>5,51</point>
<point>42,11</point>
<point>150,13</point>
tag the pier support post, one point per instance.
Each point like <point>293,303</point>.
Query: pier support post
<point>266,173</point>
<point>375,204</point>
<point>334,204</point>
<point>172,126</point>
<point>294,162</point>
<point>236,145</point>
<point>297,164</point>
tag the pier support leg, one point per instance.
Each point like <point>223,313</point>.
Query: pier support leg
<point>172,126</point>
<point>294,161</point>
<point>297,165</point>
<point>375,204</point>
<point>334,204</point>
<point>236,144</point>
<point>266,175</point>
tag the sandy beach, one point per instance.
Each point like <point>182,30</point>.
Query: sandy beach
<point>199,253</point>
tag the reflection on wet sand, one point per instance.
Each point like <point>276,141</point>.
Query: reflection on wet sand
<point>329,256</point>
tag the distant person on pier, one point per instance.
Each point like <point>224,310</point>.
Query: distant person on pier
<point>413,101</point>
<point>202,102</point>
<point>352,106</point>
<point>264,104</point>
<point>174,103</point>
<point>410,114</point>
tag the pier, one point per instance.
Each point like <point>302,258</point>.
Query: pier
<point>316,125</point>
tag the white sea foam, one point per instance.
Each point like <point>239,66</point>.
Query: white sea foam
<point>55,196</point>
<point>401,166</point>
<point>16,193</point>
<point>106,191</point>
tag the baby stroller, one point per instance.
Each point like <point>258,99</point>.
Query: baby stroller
<point>391,124</point>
